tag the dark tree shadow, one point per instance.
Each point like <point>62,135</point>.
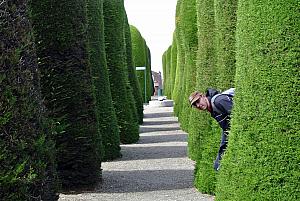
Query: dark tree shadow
<point>154,129</point>
<point>157,115</point>
<point>148,123</point>
<point>166,138</point>
<point>152,152</point>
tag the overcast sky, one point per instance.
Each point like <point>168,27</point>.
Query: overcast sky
<point>155,19</point>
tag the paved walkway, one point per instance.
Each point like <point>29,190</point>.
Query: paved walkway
<point>154,169</point>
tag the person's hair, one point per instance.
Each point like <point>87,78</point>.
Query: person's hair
<point>195,96</point>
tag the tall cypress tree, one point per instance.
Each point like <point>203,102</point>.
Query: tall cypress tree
<point>173,64</point>
<point>116,63</point>
<point>139,56</point>
<point>105,111</point>
<point>225,27</point>
<point>179,79</point>
<point>132,77</point>
<point>190,45</point>
<point>263,155</point>
<point>167,83</point>
<point>207,132</point>
<point>26,147</point>
<point>60,28</point>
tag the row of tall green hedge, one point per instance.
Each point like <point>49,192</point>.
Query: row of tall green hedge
<point>69,94</point>
<point>142,58</point>
<point>253,46</point>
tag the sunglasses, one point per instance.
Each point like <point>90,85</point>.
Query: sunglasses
<point>194,103</point>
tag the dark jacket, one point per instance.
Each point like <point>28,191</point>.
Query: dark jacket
<point>224,104</point>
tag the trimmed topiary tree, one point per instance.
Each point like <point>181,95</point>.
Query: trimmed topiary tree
<point>66,82</point>
<point>117,68</point>
<point>164,65</point>
<point>173,64</point>
<point>139,56</point>
<point>190,45</point>
<point>202,126</point>
<point>179,79</point>
<point>263,156</point>
<point>150,83</point>
<point>127,62</point>
<point>167,83</point>
<point>132,77</point>
<point>106,116</point>
<point>26,147</point>
<point>225,26</point>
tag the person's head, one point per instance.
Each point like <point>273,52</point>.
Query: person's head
<point>199,101</point>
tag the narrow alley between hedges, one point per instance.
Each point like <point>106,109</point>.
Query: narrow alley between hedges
<point>154,169</point>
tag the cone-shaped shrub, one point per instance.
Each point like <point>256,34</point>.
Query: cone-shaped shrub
<point>117,68</point>
<point>105,110</point>
<point>139,56</point>
<point>26,147</point>
<point>207,138</point>
<point>263,156</point>
<point>132,77</point>
<point>66,82</point>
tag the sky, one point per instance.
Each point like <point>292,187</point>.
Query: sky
<point>155,19</point>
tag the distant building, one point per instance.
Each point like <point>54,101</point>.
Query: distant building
<point>157,83</point>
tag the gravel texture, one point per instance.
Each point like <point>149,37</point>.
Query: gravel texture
<point>154,169</point>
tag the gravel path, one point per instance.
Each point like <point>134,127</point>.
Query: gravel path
<point>154,169</point>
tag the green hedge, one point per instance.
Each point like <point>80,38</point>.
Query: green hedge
<point>26,147</point>
<point>117,68</point>
<point>190,45</point>
<point>150,83</point>
<point>179,79</point>
<point>167,83</point>
<point>164,65</point>
<point>132,77</point>
<point>209,137</point>
<point>140,57</point>
<point>173,64</point>
<point>61,40</point>
<point>129,68</point>
<point>225,27</point>
<point>106,116</point>
<point>263,156</point>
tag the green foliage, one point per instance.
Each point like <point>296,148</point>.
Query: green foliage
<point>60,29</point>
<point>205,78</point>
<point>173,64</point>
<point>164,65</point>
<point>106,116</point>
<point>190,45</point>
<point>167,83</point>
<point>132,77</point>
<point>179,79</point>
<point>140,59</point>
<point>225,19</point>
<point>263,156</point>
<point>150,83</point>
<point>26,147</point>
<point>117,68</point>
